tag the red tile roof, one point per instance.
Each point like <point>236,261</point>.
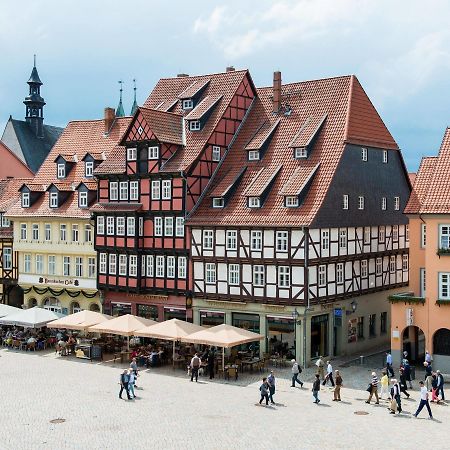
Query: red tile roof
<point>194,88</point>
<point>167,126</point>
<point>111,207</point>
<point>227,182</point>
<point>431,189</point>
<point>167,105</point>
<point>9,191</point>
<point>260,138</point>
<point>77,138</point>
<point>65,187</point>
<point>351,117</point>
<point>299,179</point>
<point>114,164</point>
<point>203,107</point>
<point>308,131</point>
<point>261,181</point>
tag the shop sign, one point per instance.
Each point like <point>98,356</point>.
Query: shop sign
<point>58,281</point>
<point>160,298</point>
<point>351,331</point>
<point>409,317</point>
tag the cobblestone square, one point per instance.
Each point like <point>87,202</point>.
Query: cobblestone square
<point>171,413</point>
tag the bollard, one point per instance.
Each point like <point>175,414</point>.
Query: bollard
<point>361,360</point>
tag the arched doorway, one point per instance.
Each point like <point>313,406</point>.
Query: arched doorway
<point>413,341</point>
<point>32,302</point>
<point>75,307</point>
<point>94,307</point>
<point>441,342</point>
<point>53,304</point>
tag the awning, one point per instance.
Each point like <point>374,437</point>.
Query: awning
<point>6,309</point>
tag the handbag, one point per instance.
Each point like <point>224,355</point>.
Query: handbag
<point>393,405</point>
<point>369,388</point>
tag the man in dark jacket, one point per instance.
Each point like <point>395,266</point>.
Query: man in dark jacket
<point>211,363</point>
<point>440,385</point>
<point>124,379</point>
<point>316,389</point>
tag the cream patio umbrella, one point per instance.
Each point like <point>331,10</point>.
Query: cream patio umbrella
<point>170,330</point>
<point>7,309</point>
<point>224,336</point>
<point>123,325</point>
<point>30,318</point>
<point>80,320</point>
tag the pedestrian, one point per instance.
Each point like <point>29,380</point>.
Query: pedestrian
<point>316,389</point>
<point>271,383</point>
<point>423,400</point>
<point>296,369</point>
<point>211,364</point>
<point>384,386</point>
<point>320,364</point>
<point>427,357</point>
<point>396,402</point>
<point>134,368</point>
<point>389,368</point>
<point>195,366</point>
<point>407,370</point>
<point>124,378</point>
<point>434,385</point>
<point>329,375</point>
<point>440,384</point>
<point>373,389</point>
<point>337,388</point>
<point>264,389</point>
<point>428,373</point>
<point>131,382</point>
<point>403,384</point>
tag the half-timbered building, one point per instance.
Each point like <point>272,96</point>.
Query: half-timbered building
<point>301,235</point>
<point>53,231</point>
<point>171,150</point>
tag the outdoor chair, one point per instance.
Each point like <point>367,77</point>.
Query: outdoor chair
<point>31,346</point>
<point>232,372</point>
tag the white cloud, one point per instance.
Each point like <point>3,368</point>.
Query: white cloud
<point>212,23</point>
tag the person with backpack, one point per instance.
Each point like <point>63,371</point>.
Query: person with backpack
<point>316,389</point>
<point>296,370</point>
<point>396,402</point>
<point>264,390</point>
<point>195,366</point>
<point>123,381</point>
<point>428,375</point>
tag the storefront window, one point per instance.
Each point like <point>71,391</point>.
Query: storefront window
<point>319,336</point>
<point>52,304</point>
<point>75,307</point>
<point>174,313</point>
<point>281,336</point>
<point>211,318</point>
<point>120,309</point>
<point>248,322</point>
<point>148,311</point>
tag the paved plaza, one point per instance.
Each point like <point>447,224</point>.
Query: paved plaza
<point>173,413</point>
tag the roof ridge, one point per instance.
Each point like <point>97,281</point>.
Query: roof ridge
<point>161,111</point>
<point>308,81</point>
<point>205,75</point>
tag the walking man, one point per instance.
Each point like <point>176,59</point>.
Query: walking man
<point>337,389</point>
<point>124,379</point>
<point>423,401</point>
<point>195,366</point>
<point>320,364</point>
<point>131,382</point>
<point>329,375</point>
<point>389,368</point>
<point>271,383</point>
<point>396,402</point>
<point>134,368</point>
<point>440,385</point>
<point>296,369</point>
<point>211,363</point>
<point>264,389</point>
<point>403,385</point>
<point>316,389</point>
<point>374,389</point>
<point>428,375</point>
<point>427,357</point>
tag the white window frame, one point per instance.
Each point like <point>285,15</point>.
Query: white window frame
<point>112,264</point>
<point>423,235</point>
<point>256,240</point>
<point>132,266</point>
<point>258,275</point>
<point>300,153</point>
<point>423,282</point>
<point>340,273</point>
<point>66,266</point>
<point>5,223</point>
<point>405,263</point>
<point>195,125</point>
<point>395,233</point>
<point>120,226</point>
<point>210,273</point>
<point>35,232</point>
<point>392,264</point>
<point>168,226</point>
<point>444,285</point>
<point>89,169</point>
<point>75,232</point>
<point>343,238</point>
<point>79,266</point>
<point>23,231</point>
<point>253,202</point>
<point>364,268</point>
<point>216,153</point>
<point>110,225</point>
<point>92,263</point>
<point>134,190</point>
<point>158,226</point>
<point>383,203</point>
<point>179,227</point>
<point>53,199</point>
<point>131,226</point>
<point>123,190</point>
<point>25,199</point>
<point>231,240</point>
<point>385,156</point>
<point>291,201</point>
<point>379,266</point>
<point>325,241</point>
<point>364,154</point>
<point>39,260</point>
<point>382,234</point>
<point>188,103</point>
<point>367,235</point>
<point>345,201</point>
<point>63,232</point>
<point>101,225</point>
<point>102,263</point>
<point>170,266</point>
<point>149,265</point>
<point>113,190</point>
<point>153,152</point>
<point>218,202</point>
<point>397,203</point>
<point>407,232</point>
<point>131,154</point>
<point>361,201</point>
<point>166,189</point>
<point>182,264</point>
<point>87,233</point>
<point>233,274</point>
<point>208,239</point>
<point>27,263</point>
<point>7,258</point>
<point>322,275</point>
<point>160,266</point>
<point>156,190</point>
<point>61,171</point>
<point>444,236</point>
<point>284,276</point>
<point>282,244</point>
<point>83,199</point>
<point>51,264</point>
<point>253,155</point>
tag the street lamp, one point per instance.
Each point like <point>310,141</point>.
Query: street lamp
<point>295,316</point>
<point>353,305</point>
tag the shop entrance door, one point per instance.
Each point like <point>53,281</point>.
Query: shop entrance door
<point>319,336</point>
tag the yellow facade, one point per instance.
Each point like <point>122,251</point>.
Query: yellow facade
<point>57,263</point>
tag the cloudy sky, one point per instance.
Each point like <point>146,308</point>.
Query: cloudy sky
<point>399,50</point>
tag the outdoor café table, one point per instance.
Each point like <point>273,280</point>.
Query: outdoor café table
<point>227,368</point>
<point>250,363</point>
<point>179,361</point>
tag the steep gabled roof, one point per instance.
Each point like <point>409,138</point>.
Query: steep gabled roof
<point>350,117</point>
<point>308,131</point>
<point>194,89</point>
<point>261,181</point>
<point>203,107</point>
<point>228,182</point>
<point>9,191</point>
<point>262,135</point>
<point>431,189</point>
<point>167,126</point>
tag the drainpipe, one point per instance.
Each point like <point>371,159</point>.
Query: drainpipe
<point>306,283</point>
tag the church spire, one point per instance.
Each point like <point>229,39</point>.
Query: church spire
<point>135,106</point>
<point>34,103</point>
<point>120,111</point>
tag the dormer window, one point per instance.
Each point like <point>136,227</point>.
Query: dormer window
<point>83,200</point>
<point>218,202</point>
<point>188,103</point>
<point>215,153</point>
<point>131,154</point>
<point>153,152</point>
<point>25,199</point>
<point>291,201</point>
<point>53,199</point>
<point>89,169</point>
<point>300,153</point>
<point>254,202</point>
<point>194,125</point>
<point>253,155</point>
<point>61,170</point>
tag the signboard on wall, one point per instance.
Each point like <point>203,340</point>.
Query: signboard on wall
<point>351,331</point>
<point>409,317</point>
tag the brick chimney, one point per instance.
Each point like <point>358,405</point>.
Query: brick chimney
<point>110,115</point>
<point>276,92</point>
<point>230,69</point>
